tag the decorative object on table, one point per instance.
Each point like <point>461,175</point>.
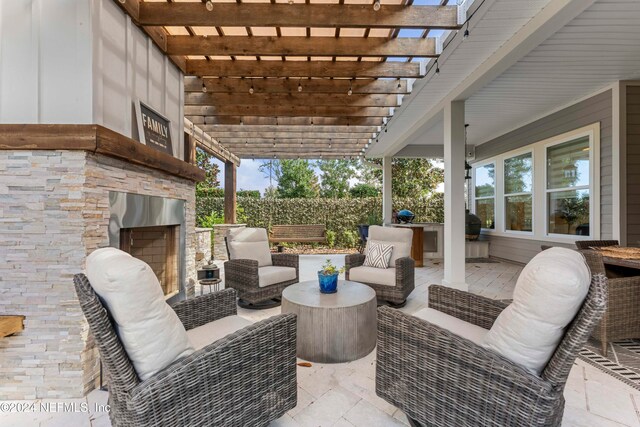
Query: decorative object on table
<point>209,276</point>
<point>328,277</point>
<point>405,216</point>
<point>394,284</point>
<point>472,226</point>
<point>258,275</point>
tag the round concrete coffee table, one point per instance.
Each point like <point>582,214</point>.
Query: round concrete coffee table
<point>332,328</point>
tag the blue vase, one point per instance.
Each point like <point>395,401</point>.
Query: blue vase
<point>328,283</point>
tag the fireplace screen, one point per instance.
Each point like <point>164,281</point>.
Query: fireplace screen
<point>158,247</point>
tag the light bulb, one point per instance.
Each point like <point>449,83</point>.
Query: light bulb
<point>204,88</point>
<point>399,85</point>
<point>350,92</point>
<point>437,68</point>
<point>466,34</point>
<point>251,90</point>
<point>209,5</point>
<point>299,87</point>
<point>376,5</point>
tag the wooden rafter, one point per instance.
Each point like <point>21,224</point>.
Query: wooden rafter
<point>269,129</point>
<point>236,85</point>
<point>291,99</point>
<point>230,142</point>
<point>287,121</point>
<point>249,136</point>
<point>300,46</point>
<point>299,69</point>
<point>297,15</point>
<point>285,111</point>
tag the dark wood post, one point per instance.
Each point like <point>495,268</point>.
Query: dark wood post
<point>189,149</point>
<point>229,193</point>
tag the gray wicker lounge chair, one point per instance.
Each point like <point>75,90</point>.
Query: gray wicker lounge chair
<point>622,318</point>
<point>246,378</point>
<point>441,379</point>
<point>255,278</point>
<point>395,283</point>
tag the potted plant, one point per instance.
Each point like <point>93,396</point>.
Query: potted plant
<point>328,277</point>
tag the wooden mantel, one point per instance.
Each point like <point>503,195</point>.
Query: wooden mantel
<point>96,139</point>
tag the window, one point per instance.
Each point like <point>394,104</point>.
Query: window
<point>485,189</point>
<point>518,192</point>
<point>543,191</point>
<point>568,192</point>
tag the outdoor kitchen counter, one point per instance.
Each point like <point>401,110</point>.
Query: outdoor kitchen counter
<point>418,248</point>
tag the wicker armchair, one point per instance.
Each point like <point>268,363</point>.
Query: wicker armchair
<point>243,276</point>
<point>622,318</point>
<point>440,379</point>
<point>245,378</point>
<point>244,273</point>
<point>395,283</point>
<point>588,244</point>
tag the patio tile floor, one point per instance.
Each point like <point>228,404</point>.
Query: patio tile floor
<point>343,394</point>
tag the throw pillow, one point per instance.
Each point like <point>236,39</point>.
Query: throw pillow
<point>548,294</point>
<point>150,331</point>
<point>378,255</point>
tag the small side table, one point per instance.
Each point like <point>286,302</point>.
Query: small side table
<point>215,283</point>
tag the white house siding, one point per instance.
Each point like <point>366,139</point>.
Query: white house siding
<point>597,109</point>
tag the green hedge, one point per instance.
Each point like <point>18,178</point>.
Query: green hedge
<point>341,216</point>
<point>219,192</point>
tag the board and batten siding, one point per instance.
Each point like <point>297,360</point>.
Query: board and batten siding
<point>597,109</point>
<point>633,165</point>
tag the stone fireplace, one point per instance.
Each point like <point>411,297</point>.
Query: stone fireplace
<point>59,205</point>
<point>152,229</point>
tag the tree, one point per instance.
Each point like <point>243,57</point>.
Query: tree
<point>409,177</point>
<point>364,190</point>
<point>335,177</point>
<point>296,179</point>
<point>204,161</point>
<point>268,169</point>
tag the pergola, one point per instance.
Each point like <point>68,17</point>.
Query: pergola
<point>292,78</point>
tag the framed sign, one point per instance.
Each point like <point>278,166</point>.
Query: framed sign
<point>154,129</point>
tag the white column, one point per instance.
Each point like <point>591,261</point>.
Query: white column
<point>387,200</point>
<point>454,207</point>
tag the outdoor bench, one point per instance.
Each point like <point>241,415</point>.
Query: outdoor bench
<point>303,233</point>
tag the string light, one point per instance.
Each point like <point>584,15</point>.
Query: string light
<point>209,5</point>
<point>437,68</point>
<point>399,84</point>
<point>466,32</point>
<point>299,86</point>
<point>204,88</point>
<point>251,90</point>
<point>241,121</point>
<point>376,5</point>
<point>350,91</point>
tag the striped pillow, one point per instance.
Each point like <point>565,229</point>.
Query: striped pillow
<point>378,255</point>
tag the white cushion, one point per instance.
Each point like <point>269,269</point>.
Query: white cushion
<point>271,275</point>
<point>377,276</point>
<point>400,238</point>
<point>210,332</point>
<point>378,255</point>
<point>149,329</point>
<point>547,296</point>
<point>459,327</point>
<point>250,243</point>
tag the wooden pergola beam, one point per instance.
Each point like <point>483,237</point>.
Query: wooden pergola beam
<point>291,99</point>
<point>301,69</point>
<point>262,129</point>
<point>232,143</point>
<point>297,15</point>
<point>250,120</point>
<point>310,133</point>
<point>341,86</point>
<point>285,111</point>
<point>301,46</point>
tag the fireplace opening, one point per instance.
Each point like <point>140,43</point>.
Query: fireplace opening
<point>158,246</point>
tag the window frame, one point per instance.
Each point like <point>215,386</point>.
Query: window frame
<point>510,155</point>
<point>495,191</point>
<point>540,225</point>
